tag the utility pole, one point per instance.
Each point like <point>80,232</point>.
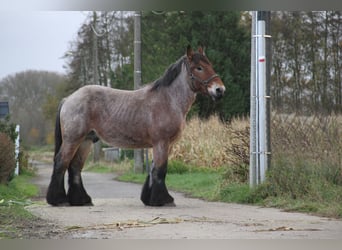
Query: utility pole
<point>260,149</point>
<point>97,145</point>
<point>138,153</point>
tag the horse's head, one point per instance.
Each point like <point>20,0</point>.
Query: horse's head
<point>203,78</point>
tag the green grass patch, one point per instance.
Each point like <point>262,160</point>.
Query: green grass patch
<point>290,185</point>
<point>13,198</point>
<point>298,185</point>
<point>236,193</point>
<point>196,182</point>
<point>105,167</point>
<point>199,185</point>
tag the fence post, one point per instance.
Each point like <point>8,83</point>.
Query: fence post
<point>17,149</point>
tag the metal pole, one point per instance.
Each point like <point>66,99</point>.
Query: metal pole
<point>261,81</point>
<point>264,88</point>
<point>97,145</point>
<point>260,107</point>
<point>267,18</point>
<point>138,153</point>
<point>252,148</point>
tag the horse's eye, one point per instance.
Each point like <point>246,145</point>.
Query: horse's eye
<point>199,68</point>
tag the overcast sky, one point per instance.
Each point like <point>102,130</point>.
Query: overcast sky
<point>36,40</point>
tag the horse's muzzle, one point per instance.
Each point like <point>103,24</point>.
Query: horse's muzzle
<point>216,92</point>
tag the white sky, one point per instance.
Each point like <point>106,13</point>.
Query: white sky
<point>36,39</point>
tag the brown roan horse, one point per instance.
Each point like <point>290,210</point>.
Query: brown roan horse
<point>153,116</point>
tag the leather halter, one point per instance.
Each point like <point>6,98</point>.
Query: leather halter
<point>193,77</point>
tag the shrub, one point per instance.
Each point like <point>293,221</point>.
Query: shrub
<point>8,128</point>
<point>7,158</point>
<point>126,153</point>
<point>23,159</point>
<point>177,167</point>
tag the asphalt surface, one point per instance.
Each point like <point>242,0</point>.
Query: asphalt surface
<point>118,213</point>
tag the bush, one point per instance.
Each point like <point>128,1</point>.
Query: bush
<point>126,153</point>
<point>177,167</point>
<point>8,128</point>
<point>7,158</point>
<point>23,159</point>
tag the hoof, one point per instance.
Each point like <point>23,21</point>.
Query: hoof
<point>171,204</point>
<point>81,202</point>
<point>56,199</point>
<point>156,195</point>
<point>84,204</point>
<point>78,197</point>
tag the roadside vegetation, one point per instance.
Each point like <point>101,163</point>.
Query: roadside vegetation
<point>14,196</point>
<point>211,162</point>
<point>15,191</point>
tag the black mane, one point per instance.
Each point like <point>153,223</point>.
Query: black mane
<point>169,76</point>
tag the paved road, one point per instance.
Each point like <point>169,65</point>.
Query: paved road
<point>119,213</point>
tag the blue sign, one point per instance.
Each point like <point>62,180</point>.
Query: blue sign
<point>4,109</point>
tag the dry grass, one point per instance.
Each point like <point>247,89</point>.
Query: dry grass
<point>313,140</point>
<point>211,143</point>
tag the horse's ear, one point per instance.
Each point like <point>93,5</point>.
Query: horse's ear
<point>189,52</point>
<point>201,50</point>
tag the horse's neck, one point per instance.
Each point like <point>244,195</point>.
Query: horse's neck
<point>180,90</point>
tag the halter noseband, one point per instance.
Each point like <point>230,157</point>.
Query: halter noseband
<point>193,77</point>
<point>204,82</point>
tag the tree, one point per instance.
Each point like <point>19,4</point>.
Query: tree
<point>227,43</point>
<point>114,40</point>
<point>306,75</point>
<point>27,93</point>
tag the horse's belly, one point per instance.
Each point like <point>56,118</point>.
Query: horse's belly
<point>127,142</point>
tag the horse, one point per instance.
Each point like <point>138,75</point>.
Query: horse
<point>150,117</point>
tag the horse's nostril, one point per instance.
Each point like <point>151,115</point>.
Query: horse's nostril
<point>219,91</point>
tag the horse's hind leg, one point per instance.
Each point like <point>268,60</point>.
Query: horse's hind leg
<point>56,192</point>
<point>77,195</point>
<point>154,192</point>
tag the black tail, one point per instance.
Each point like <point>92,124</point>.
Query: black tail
<point>58,132</point>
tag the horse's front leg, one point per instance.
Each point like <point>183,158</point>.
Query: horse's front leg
<point>154,192</point>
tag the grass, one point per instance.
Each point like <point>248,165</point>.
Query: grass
<point>13,198</point>
<point>105,167</point>
<point>196,182</point>
<point>41,153</point>
<point>200,185</point>
<point>300,186</point>
<point>211,143</point>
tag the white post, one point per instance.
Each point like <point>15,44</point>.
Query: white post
<point>17,150</point>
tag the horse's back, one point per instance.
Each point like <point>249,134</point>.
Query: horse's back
<point>119,117</point>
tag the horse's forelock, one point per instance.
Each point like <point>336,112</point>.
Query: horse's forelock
<point>197,57</point>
